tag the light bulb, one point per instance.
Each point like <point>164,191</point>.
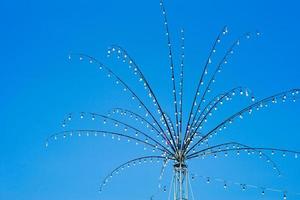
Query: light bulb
<point>208,180</point>
<point>243,187</point>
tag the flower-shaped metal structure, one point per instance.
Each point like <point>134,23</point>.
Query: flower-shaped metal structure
<point>169,138</point>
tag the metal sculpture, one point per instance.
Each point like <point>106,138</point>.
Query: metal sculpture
<point>171,139</point>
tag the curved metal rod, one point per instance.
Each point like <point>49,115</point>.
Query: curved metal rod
<point>208,61</point>
<point>258,104</point>
<point>142,119</point>
<point>126,164</point>
<point>174,91</point>
<point>122,82</point>
<point>259,149</point>
<point>217,99</point>
<point>222,96</point>
<point>137,69</point>
<point>127,125</point>
<point>200,136</point>
<point>274,101</point>
<point>230,93</point>
<point>171,125</point>
<point>218,68</point>
<point>71,133</point>
<point>209,151</point>
<point>181,88</point>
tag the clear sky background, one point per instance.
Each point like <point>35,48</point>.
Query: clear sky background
<point>39,86</point>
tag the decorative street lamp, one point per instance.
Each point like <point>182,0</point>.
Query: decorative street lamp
<point>176,139</point>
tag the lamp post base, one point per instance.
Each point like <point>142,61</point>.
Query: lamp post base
<point>180,182</point>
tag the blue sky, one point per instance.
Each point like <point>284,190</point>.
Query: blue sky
<point>39,86</point>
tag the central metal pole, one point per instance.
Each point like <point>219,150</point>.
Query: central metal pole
<point>180,182</point>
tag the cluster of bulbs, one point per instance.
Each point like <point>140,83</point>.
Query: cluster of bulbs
<point>137,71</point>
<point>121,53</point>
<point>201,82</point>
<point>133,162</point>
<point>291,94</point>
<point>238,148</point>
<point>152,126</point>
<point>223,61</point>
<point>243,186</point>
<point>117,123</point>
<point>213,106</point>
<point>202,118</point>
<point>113,136</point>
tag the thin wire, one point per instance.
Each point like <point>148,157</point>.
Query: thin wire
<point>263,189</point>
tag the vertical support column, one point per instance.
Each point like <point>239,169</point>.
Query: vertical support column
<point>180,182</point>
